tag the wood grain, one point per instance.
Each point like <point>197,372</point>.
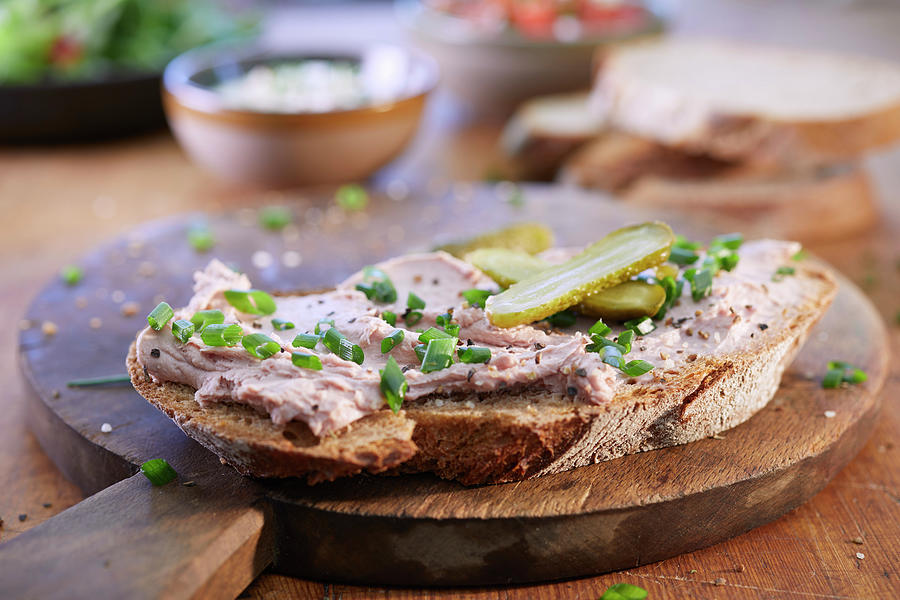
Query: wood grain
<point>418,529</point>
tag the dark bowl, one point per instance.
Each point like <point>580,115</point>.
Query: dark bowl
<point>80,110</point>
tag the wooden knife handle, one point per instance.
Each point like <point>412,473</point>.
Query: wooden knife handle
<point>133,540</point>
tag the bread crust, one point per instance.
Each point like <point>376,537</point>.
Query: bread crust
<point>695,126</point>
<point>511,435</point>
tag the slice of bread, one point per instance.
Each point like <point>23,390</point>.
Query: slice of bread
<point>739,101</point>
<point>513,434</point>
<point>544,131</point>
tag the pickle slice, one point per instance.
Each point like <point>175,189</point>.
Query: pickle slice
<point>527,237</point>
<point>627,300</point>
<point>614,259</point>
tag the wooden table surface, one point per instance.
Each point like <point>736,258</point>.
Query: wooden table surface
<point>59,202</point>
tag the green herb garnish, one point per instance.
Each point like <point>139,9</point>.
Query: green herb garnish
<point>219,334</point>
<point>473,354</point>
<point>390,317</point>
<point>281,324</point>
<point>841,372</point>
<point>624,591</point>
<point>182,329</point>
<point>701,283</point>
<point>625,339</point>
<point>641,326</point>
<point>275,218</point>
<point>433,333</point>
<point>352,197</point>
<point>636,368</point>
<point>200,238</point>
<point>673,290</point>
<point>391,340</point>
<point>251,302</point>
<point>90,382</point>
<point>260,345</point>
<point>599,328</point>
<point>683,256</point>
<point>160,315</point>
<point>412,317</point>
<point>158,471</point>
<point>306,361</point>
<point>476,297</point>
<point>305,340</point>
<point>335,341</point>
<point>413,302</point>
<point>564,318</point>
<point>203,318</point>
<point>71,275</point>
<point>438,354</point>
<point>318,329</point>
<point>393,384</point>
<point>782,272</point>
<point>446,321</point>
<point>376,285</point>
<point>419,349</point>
<point>799,255</point>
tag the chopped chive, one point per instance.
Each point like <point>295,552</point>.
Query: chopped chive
<point>625,338</point>
<point>624,591</point>
<point>390,341</point>
<point>393,384</point>
<point>452,329</point>
<point>260,345</point>
<point>612,356</point>
<point>601,343</point>
<point>281,324</point>
<point>338,343</point>
<point>160,315</point>
<point>683,242</point>
<point>318,329</point>
<point>729,261</point>
<point>305,340</point>
<point>446,321</point>
<point>799,255</point>
<point>673,290</point>
<point>377,286</point>
<point>473,354</point>
<point>90,382</point>
<point>182,329</point>
<point>641,325</point>
<point>412,317</point>
<point>781,272</point>
<point>438,354</point>
<point>476,297</point>
<point>389,317</point>
<point>203,318</point>
<point>443,320</point>
<point>599,328</point>
<point>636,368</point>
<point>158,471</point>
<point>200,238</point>
<point>433,333</point>
<point>419,349</point>
<point>71,275</point>
<point>306,361</point>
<point>731,241</point>
<point>275,218</point>
<point>701,283</point>
<point>251,302</point>
<point>848,373</point>
<point>833,378</point>
<point>352,197</point>
<point>564,318</point>
<point>219,334</point>
<point>413,302</point>
<point>683,256</point>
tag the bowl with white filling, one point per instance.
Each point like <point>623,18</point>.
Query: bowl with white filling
<point>283,118</point>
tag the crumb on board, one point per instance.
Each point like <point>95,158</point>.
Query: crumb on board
<point>860,555</point>
<point>129,309</point>
<point>95,323</point>
<point>830,414</point>
<point>720,581</point>
<point>857,540</point>
<point>22,517</point>
<point>49,328</point>
<point>106,428</point>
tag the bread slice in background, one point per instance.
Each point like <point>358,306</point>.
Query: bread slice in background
<point>510,435</point>
<point>544,131</point>
<point>739,101</point>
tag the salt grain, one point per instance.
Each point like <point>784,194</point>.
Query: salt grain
<point>860,555</point>
<point>106,428</point>
<point>830,414</point>
<point>49,328</point>
<point>261,259</point>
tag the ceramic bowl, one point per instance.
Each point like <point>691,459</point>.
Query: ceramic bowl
<point>270,149</point>
<point>492,72</point>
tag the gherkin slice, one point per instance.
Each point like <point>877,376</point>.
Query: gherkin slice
<point>627,300</point>
<point>614,259</point>
<point>527,237</point>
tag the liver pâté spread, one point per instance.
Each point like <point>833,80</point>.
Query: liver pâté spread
<point>740,304</point>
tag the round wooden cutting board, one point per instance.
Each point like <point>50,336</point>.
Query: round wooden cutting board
<point>211,532</point>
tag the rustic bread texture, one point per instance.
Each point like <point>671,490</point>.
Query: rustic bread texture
<point>739,101</point>
<point>509,436</point>
<point>544,131</point>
